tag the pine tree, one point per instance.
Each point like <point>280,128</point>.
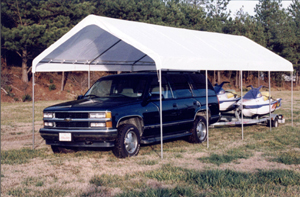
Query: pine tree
<point>29,26</point>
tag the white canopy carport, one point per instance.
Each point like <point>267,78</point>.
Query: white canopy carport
<point>105,44</point>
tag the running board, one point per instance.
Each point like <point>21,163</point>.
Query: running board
<point>168,137</point>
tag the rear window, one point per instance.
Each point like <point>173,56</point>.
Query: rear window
<point>199,85</point>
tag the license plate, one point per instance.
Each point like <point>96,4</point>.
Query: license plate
<point>66,137</point>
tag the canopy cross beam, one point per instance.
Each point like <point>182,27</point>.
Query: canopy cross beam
<point>105,51</point>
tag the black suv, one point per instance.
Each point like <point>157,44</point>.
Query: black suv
<point>122,111</point>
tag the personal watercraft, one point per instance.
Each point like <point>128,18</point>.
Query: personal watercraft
<point>227,98</point>
<point>256,103</point>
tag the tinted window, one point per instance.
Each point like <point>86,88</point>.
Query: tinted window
<point>199,85</point>
<point>180,85</point>
<point>166,90</point>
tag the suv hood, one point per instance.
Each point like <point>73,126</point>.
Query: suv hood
<point>97,104</point>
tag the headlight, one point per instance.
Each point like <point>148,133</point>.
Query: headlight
<point>100,115</point>
<point>48,115</point>
<point>48,124</point>
<point>98,124</point>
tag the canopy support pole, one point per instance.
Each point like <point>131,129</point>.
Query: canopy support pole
<point>292,96</point>
<point>206,89</point>
<point>32,111</point>
<point>160,114</point>
<point>241,77</point>
<point>89,77</point>
<point>269,76</point>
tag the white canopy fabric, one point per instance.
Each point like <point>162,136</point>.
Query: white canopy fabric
<point>104,44</point>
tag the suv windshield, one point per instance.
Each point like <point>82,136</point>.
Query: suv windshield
<point>113,87</point>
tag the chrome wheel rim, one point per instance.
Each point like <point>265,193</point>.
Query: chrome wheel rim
<point>130,141</point>
<point>201,131</point>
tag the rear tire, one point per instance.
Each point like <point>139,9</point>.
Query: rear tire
<point>128,141</point>
<point>199,130</point>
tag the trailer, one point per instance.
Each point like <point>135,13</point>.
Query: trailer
<point>235,119</point>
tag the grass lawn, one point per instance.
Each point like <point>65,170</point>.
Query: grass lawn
<point>265,163</point>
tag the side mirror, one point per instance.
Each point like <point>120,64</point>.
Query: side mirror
<point>80,97</point>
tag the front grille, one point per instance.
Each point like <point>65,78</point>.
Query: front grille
<point>71,115</point>
<point>72,124</point>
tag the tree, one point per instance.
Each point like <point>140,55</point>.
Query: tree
<point>31,26</point>
<point>294,11</point>
<point>279,30</point>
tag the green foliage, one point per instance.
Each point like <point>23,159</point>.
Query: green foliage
<point>26,97</point>
<point>228,157</point>
<point>9,93</point>
<point>51,80</point>
<point>52,87</point>
<point>106,180</point>
<point>289,158</point>
<point>28,27</point>
<point>225,178</point>
<point>148,162</point>
<point>163,192</point>
<point>20,156</point>
<point>18,191</point>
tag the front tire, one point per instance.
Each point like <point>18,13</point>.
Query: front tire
<point>127,142</point>
<point>199,130</point>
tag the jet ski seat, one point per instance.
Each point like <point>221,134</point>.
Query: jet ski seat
<point>265,95</point>
<point>230,93</point>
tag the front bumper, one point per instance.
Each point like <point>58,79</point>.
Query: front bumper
<point>80,138</point>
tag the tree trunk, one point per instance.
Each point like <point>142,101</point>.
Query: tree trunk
<point>229,76</point>
<point>237,79</point>
<point>257,78</point>
<point>214,77</point>
<point>62,81</point>
<point>24,66</point>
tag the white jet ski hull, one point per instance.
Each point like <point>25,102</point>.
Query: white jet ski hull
<point>258,107</point>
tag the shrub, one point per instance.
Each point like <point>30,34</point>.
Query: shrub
<point>9,93</point>
<point>51,80</point>
<point>26,97</point>
<point>52,87</point>
<point>16,99</point>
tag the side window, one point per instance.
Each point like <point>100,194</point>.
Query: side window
<point>199,86</point>
<point>180,85</point>
<point>166,90</point>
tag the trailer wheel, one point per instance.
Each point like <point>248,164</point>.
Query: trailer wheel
<point>275,122</point>
<point>127,142</point>
<point>199,130</point>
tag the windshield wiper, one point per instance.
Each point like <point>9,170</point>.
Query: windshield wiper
<point>92,95</point>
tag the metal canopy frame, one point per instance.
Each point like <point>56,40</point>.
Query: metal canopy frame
<point>180,41</point>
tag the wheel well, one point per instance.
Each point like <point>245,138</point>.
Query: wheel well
<point>136,121</point>
<point>202,113</point>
